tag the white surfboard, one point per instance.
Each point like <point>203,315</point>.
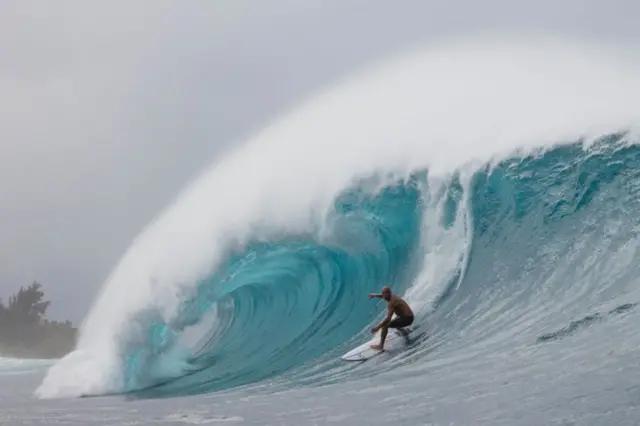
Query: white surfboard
<point>394,340</point>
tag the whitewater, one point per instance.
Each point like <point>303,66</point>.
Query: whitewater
<point>493,183</point>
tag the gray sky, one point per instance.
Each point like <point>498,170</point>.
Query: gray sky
<point>108,109</point>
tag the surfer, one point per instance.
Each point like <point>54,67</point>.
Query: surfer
<point>404,316</point>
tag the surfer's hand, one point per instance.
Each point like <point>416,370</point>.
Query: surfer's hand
<point>373,330</point>
<point>372,295</point>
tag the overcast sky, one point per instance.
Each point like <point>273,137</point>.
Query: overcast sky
<point>108,109</point>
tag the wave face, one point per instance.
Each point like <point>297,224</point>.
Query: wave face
<point>494,185</point>
<point>285,301</point>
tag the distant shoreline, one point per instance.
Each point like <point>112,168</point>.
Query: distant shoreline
<point>25,331</point>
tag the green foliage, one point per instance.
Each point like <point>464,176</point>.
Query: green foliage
<point>26,332</point>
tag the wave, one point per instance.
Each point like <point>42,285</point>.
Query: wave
<point>11,366</point>
<point>469,176</point>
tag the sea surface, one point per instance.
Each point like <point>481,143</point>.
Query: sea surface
<point>494,184</point>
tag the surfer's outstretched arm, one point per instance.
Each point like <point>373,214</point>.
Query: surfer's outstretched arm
<point>372,295</point>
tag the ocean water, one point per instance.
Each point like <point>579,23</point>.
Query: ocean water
<point>494,185</point>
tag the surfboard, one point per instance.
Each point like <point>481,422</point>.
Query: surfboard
<point>394,340</point>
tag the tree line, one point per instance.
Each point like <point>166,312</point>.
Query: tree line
<point>25,332</point>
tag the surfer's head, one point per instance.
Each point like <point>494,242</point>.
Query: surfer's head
<point>386,293</point>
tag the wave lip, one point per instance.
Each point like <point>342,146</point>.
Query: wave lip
<point>482,101</point>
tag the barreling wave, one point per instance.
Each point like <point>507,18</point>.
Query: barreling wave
<point>285,301</point>
<point>495,220</point>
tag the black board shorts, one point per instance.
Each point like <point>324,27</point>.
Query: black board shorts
<point>400,322</point>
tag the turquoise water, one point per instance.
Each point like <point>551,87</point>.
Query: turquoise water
<point>548,232</point>
<point>285,302</point>
<point>537,327</point>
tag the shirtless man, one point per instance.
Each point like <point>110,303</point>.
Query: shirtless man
<point>400,308</point>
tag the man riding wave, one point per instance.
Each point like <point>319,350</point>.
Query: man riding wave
<point>404,316</point>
